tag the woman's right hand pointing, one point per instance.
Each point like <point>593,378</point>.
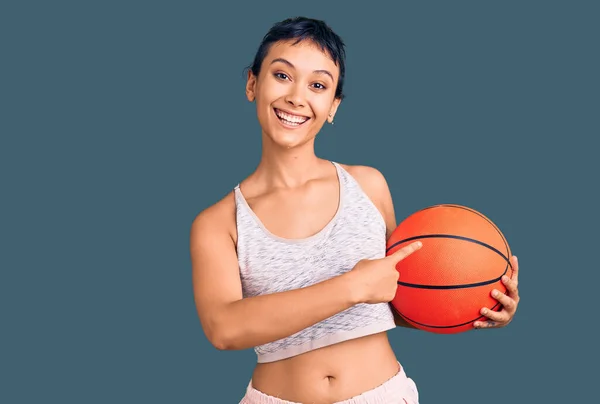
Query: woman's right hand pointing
<point>376,280</point>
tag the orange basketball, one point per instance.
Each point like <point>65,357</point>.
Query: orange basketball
<point>443,286</point>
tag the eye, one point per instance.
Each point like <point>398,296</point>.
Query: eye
<point>281,76</point>
<point>320,86</point>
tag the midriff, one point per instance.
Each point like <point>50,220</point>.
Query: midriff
<point>330,374</point>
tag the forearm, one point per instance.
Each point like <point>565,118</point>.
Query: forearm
<point>261,319</point>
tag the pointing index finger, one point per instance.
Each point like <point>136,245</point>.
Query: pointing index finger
<point>406,251</point>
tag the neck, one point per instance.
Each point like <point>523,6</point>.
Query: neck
<point>288,168</point>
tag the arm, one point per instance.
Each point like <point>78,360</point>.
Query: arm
<point>232,322</point>
<point>375,186</point>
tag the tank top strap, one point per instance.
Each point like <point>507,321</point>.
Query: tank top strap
<point>350,186</point>
<point>358,201</point>
<point>240,202</point>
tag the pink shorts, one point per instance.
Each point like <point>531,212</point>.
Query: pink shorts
<point>400,389</point>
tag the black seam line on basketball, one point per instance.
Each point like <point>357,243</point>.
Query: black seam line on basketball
<point>463,286</point>
<point>449,236</point>
<point>445,326</point>
<point>478,214</point>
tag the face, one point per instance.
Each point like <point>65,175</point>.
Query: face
<point>294,92</point>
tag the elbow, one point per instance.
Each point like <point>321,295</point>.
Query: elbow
<point>221,341</point>
<point>226,333</point>
<point>222,337</point>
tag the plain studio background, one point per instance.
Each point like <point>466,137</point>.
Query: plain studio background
<point>120,121</point>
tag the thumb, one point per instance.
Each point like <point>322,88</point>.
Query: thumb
<point>405,251</point>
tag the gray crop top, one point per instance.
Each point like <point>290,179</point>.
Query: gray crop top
<point>270,264</point>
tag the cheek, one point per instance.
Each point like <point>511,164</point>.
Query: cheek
<point>270,90</point>
<point>321,108</point>
<point>265,100</point>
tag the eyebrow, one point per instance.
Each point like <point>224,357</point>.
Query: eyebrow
<point>287,62</point>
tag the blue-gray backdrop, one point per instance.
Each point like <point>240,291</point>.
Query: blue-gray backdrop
<point>122,120</point>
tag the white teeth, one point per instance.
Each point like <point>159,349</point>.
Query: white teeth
<point>291,119</point>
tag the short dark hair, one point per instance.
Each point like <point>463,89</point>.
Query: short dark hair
<point>301,29</point>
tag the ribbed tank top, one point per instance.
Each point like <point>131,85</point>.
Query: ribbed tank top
<point>270,264</point>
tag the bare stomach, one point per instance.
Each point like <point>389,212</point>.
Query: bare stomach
<point>330,374</point>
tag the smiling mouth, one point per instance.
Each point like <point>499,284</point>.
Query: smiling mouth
<point>289,119</point>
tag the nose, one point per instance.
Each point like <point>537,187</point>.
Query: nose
<point>296,97</point>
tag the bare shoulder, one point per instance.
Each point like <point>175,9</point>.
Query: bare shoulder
<point>375,186</point>
<point>217,218</point>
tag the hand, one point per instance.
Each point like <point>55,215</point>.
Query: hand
<point>376,281</point>
<point>509,302</point>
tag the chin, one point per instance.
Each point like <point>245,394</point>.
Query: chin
<point>288,140</point>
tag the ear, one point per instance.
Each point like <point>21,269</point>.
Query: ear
<point>333,110</point>
<point>251,86</point>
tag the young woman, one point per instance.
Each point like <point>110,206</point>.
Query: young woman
<point>292,261</point>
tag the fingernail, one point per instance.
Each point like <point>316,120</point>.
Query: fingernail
<point>419,244</point>
<point>484,311</point>
<point>495,293</point>
<point>505,279</point>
